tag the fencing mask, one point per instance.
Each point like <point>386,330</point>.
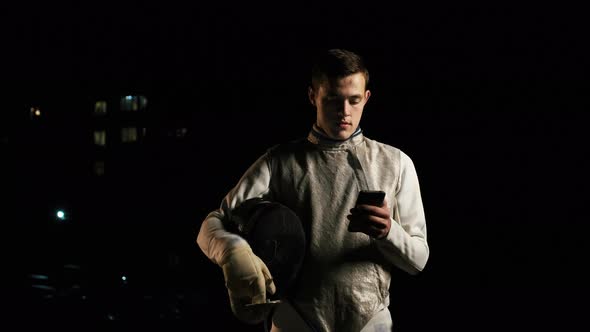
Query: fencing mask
<point>276,235</point>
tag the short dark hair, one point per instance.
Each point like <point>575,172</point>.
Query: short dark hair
<point>335,64</point>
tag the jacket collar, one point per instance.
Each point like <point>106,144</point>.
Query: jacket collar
<point>316,137</point>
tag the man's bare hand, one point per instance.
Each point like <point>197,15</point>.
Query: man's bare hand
<point>374,221</point>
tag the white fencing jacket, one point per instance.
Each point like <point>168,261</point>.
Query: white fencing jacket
<point>344,282</point>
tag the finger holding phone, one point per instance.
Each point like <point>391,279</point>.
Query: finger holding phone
<point>370,215</point>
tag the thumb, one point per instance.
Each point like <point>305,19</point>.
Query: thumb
<point>270,284</point>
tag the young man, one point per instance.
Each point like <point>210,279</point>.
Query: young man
<point>343,284</point>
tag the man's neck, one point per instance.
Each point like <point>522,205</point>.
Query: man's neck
<point>320,131</point>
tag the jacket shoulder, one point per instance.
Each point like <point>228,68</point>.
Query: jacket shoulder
<point>288,148</point>
<point>383,148</point>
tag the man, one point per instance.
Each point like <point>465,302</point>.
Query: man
<point>343,284</point>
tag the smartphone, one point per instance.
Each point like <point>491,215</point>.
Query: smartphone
<point>371,197</point>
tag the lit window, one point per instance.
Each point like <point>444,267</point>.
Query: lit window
<point>181,132</point>
<point>35,112</point>
<point>100,137</point>
<point>100,107</point>
<point>133,103</point>
<point>142,102</point>
<point>128,134</point>
<point>99,167</point>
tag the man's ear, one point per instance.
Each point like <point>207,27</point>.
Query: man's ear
<point>311,95</point>
<point>367,95</point>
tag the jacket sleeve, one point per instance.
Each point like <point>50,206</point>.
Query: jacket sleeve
<point>405,246</point>
<point>213,239</point>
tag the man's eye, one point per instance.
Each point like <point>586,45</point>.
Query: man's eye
<point>355,101</point>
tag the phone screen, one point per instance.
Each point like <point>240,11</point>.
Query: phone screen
<point>371,197</point>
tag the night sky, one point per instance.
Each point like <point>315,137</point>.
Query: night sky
<point>489,102</point>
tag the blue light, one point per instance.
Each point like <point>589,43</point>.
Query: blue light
<point>61,215</point>
<point>124,278</point>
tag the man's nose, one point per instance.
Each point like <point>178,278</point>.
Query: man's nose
<point>345,109</point>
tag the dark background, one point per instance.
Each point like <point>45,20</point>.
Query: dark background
<point>488,101</point>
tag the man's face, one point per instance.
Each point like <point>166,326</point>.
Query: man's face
<point>339,104</point>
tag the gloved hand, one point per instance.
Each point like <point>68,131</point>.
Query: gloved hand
<point>248,280</point>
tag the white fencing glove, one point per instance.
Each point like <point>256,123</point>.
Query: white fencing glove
<point>248,280</point>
